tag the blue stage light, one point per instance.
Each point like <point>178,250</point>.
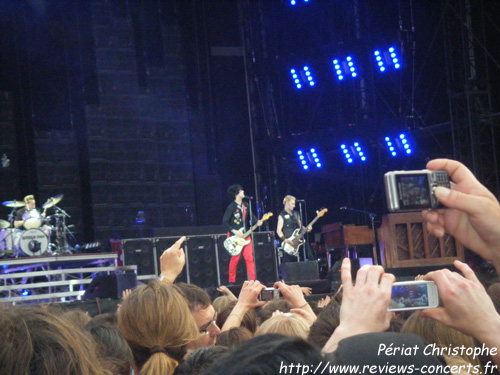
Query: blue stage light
<point>345,67</point>
<point>386,59</point>
<point>400,143</point>
<point>302,77</point>
<point>356,152</point>
<point>310,158</point>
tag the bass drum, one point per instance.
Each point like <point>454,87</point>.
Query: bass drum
<point>32,242</point>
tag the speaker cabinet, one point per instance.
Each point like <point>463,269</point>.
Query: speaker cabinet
<point>110,286</point>
<point>224,259</point>
<point>265,257</point>
<point>162,244</point>
<point>299,271</point>
<point>140,252</point>
<point>202,261</point>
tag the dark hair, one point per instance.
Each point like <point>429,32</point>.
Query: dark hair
<point>196,297</point>
<point>234,337</point>
<point>112,348</point>
<point>35,341</point>
<point>269,308</point>
<point>200,359</point>
<point>106,319</point>
<point>248,321</point>
<point>233,190</point>
<point>265,355</point>
<point>363,350</point>
<point>325,324</point>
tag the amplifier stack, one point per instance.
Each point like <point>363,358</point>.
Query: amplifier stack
<point>207,261</point>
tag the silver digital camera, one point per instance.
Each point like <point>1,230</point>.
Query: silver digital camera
<point>413,190</point>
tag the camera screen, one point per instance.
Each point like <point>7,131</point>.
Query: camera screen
<point>413,191</point>
<point>412,295</point>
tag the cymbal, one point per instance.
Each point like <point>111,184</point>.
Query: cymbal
<point>4,224</point>
<point>51,202</point>
<point>13,203</point>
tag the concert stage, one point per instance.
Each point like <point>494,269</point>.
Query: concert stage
<point>54,278</point>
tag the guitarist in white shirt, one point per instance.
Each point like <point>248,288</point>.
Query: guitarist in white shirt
<point>288,221</point>
<point>236,222</point>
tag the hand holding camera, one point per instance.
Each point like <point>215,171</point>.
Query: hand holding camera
<point>473,214</point>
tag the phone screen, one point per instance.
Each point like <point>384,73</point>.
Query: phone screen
<point>413,191</point>
<point>409,296</point>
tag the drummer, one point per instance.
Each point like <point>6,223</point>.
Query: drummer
<point>27,212</point>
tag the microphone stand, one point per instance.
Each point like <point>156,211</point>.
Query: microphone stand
<point>12,230</point>
<point>304,223</point>
<point>250,212</point>
<point>372,220</point>
<point>61,238</point>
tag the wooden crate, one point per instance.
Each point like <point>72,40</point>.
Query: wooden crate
<point>406,242</point>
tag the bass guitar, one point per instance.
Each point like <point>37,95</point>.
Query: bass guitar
<point>297,236</point>
<point>235,244</point>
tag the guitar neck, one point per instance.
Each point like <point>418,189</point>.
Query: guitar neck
<point>313,221</point>
<point>249,232</point>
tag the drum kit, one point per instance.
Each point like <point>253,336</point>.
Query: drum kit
<point>43,235</point>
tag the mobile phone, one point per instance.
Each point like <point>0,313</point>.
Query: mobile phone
<point>269,294</point>
<point>413,295</point>
<point>413,190</point>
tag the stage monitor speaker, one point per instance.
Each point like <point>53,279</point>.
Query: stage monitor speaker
<point>140,252</point>
<point>224,259</point>
<point>266,270</point>
<point>162,244</point>
<point>334,272</point>
<point>299,271</point>
<point>110,286</point>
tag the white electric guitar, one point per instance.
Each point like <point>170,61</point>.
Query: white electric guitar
<point>235,244</point>
<point>297,236</point>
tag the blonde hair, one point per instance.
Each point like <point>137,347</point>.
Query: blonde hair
<point>221,302</point>
<point>156,322</point>
<point>77,317</point>
<point>288,198</point>
<point>294,326</point>
<point>28,197</point>
<point>460,363</point>
<point>437,333</point>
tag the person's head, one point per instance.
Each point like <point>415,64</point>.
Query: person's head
<point>266,355</point>
<point>78,317</point>
<point>494,293</point>
<point>200,359</point>
<point>157,324</point>
<point>234,190</point>
<point>289,202</point>
<point>377,351</point>
<point>221,302</point>
<point>29,201</point>
<point>289,325</point>
<point>270,307</point>
<point>106,319</point>
<point>234,337</point>
<point>327,321</point>
<point>437,333</point>
<point>112,348</point>
<point>203,313</point>
<point>37,342</point>
<point>248,321</point>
